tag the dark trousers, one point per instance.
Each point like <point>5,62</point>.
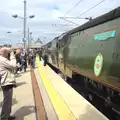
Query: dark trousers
<point>17,69</point>
<point>45,62</point>
<point>23,66</point>
<point>33,63</point>
<point>40,57</point>
<point>7,102</point>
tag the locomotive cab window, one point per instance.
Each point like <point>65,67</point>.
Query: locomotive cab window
<point>49,45</point>
<point>58,45</point>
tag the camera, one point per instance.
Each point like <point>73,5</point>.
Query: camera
<point>8,56</point>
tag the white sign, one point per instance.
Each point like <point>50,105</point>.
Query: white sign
<point>98,65</point>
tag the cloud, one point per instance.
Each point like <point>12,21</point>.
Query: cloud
<point>46,23</point>
<point>49,6</point>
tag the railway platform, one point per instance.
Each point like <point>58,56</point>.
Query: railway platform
<point>23,100</point>
<point>41,94</point>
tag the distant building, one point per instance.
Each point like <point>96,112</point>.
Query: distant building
<point>18,45</point>
<point>35,45</point>
<point>6,45</point>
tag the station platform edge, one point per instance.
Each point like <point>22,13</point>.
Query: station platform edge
<point>67,103</point>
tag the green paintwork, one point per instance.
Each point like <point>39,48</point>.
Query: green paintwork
<point>82,51</point>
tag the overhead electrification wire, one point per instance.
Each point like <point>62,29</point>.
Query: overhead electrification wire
<point>91,8</point>
<point>70,21</point>
<point>74,7</point>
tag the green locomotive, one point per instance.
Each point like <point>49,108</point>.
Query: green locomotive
<point>90,54</point>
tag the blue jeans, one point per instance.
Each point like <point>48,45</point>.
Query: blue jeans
<point>23,66</point>
<point>33,63</point>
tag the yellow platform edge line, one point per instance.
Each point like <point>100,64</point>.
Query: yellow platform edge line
<point>61,109</point>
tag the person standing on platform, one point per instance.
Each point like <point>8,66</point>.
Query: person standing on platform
<point>18,60</point>
<point>7,81</point>
<point>40,54</point>
<point>45,57</point>
<point>33,58</point>
<point>29,56</point>
<point>23,60</point>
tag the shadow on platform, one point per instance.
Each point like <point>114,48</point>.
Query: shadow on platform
<point>35,67</point>
<point>91,113</point>
<point>24,111</point>
<point>14,101</point>
<point>20,83</point>
<point>18,75</point>
<point>22,72</point>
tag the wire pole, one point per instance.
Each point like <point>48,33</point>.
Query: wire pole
<point>28,38</point>
<point>24,38</point>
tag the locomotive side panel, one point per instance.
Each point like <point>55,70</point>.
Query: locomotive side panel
<point>53,53</point>
<point>63,54</point>
<point>83,50</point>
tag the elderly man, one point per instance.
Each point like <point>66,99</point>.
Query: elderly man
<point>7,81</point>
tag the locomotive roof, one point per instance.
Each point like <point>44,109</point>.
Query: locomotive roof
<point>99,20</point>
<point>62,35</point>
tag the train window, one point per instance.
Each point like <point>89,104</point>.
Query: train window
<point>57,45</point>
<point>49,44</point>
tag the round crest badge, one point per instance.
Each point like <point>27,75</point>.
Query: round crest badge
<point>98,65</point>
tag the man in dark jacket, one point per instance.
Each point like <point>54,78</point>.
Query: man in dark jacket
<point>23,60</point>
<point>40,54</point>
<point>45,57</point>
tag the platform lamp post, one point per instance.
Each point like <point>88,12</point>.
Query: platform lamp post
<point>29,38</point>
<point>24,23</point>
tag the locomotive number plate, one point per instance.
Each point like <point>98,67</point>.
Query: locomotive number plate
<point>98,65</point>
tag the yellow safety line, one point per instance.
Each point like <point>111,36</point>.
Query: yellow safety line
<point>62,110</point>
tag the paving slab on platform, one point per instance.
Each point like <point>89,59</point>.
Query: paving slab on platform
<point>61,109</point>
<point>23,100</point>
<point>51,114</point>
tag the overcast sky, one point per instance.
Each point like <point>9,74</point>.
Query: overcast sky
<point>46,13</point>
